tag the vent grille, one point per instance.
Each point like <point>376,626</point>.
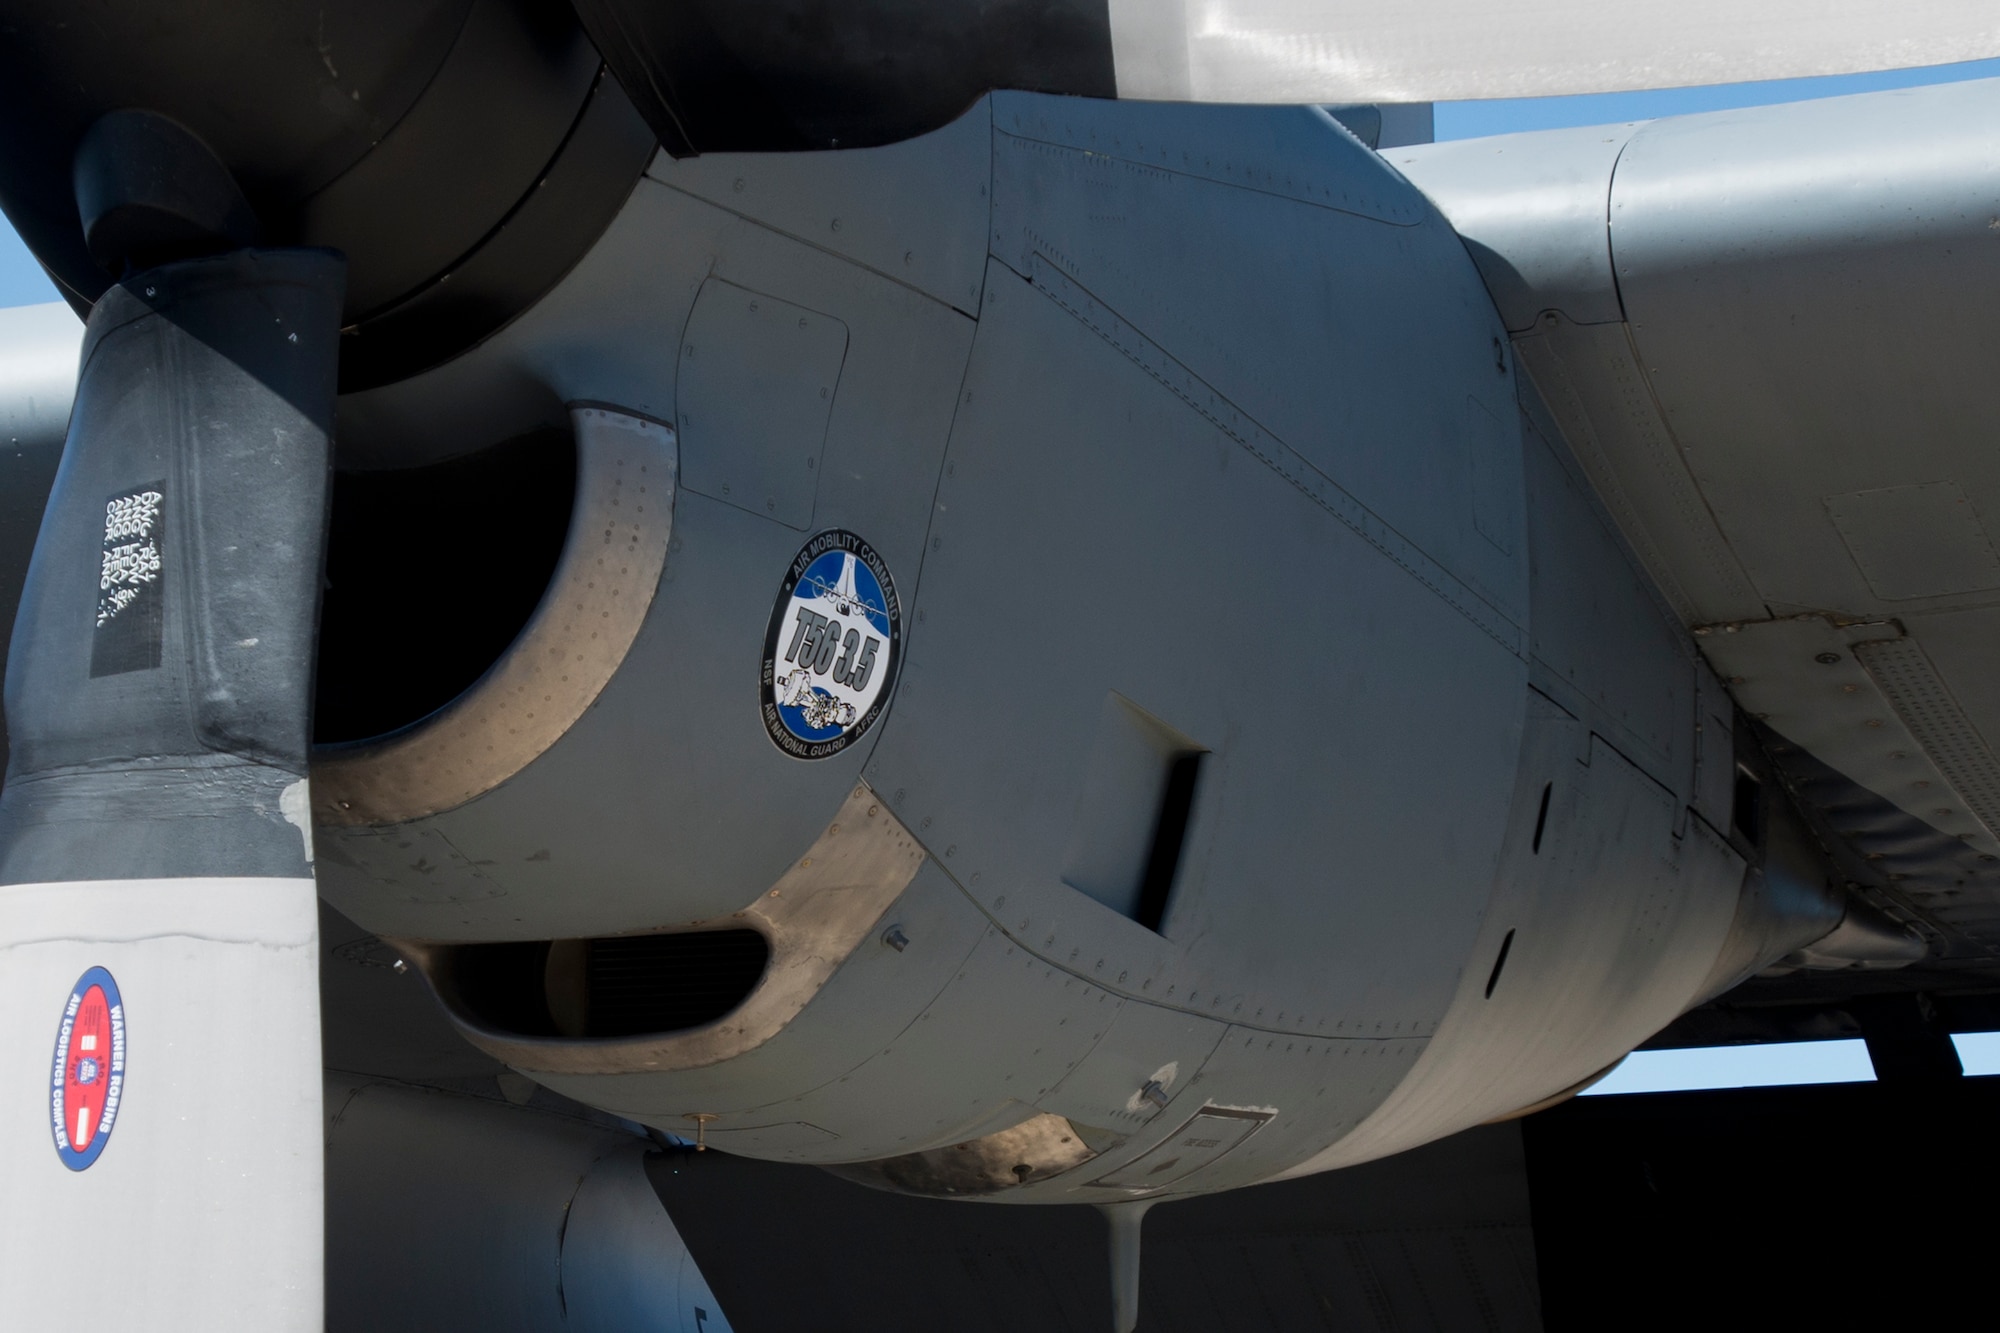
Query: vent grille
<point>1927,708</point>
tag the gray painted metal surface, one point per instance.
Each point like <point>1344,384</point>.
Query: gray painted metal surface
<point>1602,646</point>
<point>1804,290</point>
<point>757,381</point>
<point>461,1192</point>
<point>1531,208</point>
<point>1827,687</point>
<point>1235,438</point>
<point>1823,313</point>
<point>914,213</point>
<point>612,334</point>
<point>620,525</point>
<point>450,1211</point>
<point>812,918</point>
<point>1200,417</point>
<point>1769,355</point>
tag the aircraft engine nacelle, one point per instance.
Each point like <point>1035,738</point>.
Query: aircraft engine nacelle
<point>462,1212</point>
<point>1071,667</point>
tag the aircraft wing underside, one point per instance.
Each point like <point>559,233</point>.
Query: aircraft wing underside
<point>1766,336</point>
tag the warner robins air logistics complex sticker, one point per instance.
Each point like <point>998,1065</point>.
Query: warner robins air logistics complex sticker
<point>88,1073</point>
<point>831,653</point>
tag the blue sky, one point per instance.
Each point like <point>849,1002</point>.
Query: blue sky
<point>23,283</point>
<point>1739,1067</point>
<point>1471,120</point>
<point>1772,1066</point>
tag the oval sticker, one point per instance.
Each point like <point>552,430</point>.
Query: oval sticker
<point>89,1070</point>
<point>830,655</point>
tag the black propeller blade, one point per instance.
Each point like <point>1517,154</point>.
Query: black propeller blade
<point>160,1066</point>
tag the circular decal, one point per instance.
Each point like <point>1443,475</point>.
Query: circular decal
<point>831,653</point>
<point>89,1070</point>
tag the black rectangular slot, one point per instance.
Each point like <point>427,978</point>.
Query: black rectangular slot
<point>1169,836</point>
<point>1133,804</point>
<point>1493,978</point>
<point>1746,807</point>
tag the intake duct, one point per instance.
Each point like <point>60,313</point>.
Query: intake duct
<point>620,986</point>
<point>435,570</point>
<point>477,607</point>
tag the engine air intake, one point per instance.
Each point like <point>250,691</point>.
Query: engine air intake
<point>623,986</point>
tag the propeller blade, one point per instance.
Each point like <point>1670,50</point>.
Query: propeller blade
<point>1439,50</point>
<point>160,1080</point>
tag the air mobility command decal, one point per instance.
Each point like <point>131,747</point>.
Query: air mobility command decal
<point>831,653</point>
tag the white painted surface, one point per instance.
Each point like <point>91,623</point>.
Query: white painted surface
<point>1436,50</point>
<point>204,1211</point>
